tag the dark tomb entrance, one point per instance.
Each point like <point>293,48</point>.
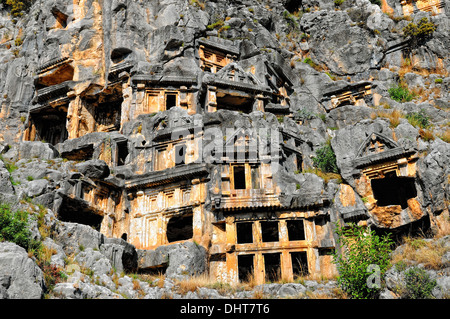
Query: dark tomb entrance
<point>269,231</point>
<point>244,233</point>
<point>180,228</point>
<point>239,177</point>
<point>245,267</point>
<point>296,229</point>
<point>50,126</point>
<point>272,266</point>
<point>299,263</point>
<point>108,115</point>
<point>122,152</point>
<point>74,210</point>
<point>235,101</point>
<point>393,190</point>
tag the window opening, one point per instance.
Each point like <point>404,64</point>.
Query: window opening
<point>272,266</point>
<point>179,228</point>
<point>239,177</point>
<point>122,153</point>
<point>180,154</point>
<point>269,231</point>
<point>393,190</point>
<point>245,267</point>
<point>296,229</point>
<point>171,101</point>
<point>244,232</point>
<point>298,162</point>
<point>299,263</point>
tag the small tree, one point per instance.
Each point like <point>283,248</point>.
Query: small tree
<point>326,159</point>
<point>419,32</point>
<point>13,227</point>
<point>401,93</point>
<point>419,285</point>
<point>419,119</point>
<point>364,254</point>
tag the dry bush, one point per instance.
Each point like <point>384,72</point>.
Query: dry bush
<point>445,136</point>
<point>192,283</point>
<point>393,116</point>
<point>423,252</point>
<point>336,293</point>
<point>426,135</point>
<point>325,176</point>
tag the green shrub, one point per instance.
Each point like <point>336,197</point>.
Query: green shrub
<point>438,81</point>
<point>304,115</point>
<point>13,227</point>
<point>419,119</point>
<point>291,21</point>
<point>310,62</point>
<point>419,285</point>
<point>333,77</point>
<point>198,4</point>
<point>361,248</point>
<point>377,2</point>
<point>337,3</point>
<point>17,7</point>
<point>216,25</point>
<point>419,32</point>
<point>326,159</point>
<point>18,42</point>
<point>401,94</point>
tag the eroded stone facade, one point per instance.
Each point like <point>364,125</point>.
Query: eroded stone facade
<point>412,6</point>
<point>169,184</point>
<point>201,143</point>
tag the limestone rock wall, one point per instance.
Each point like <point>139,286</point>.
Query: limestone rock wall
<point>164,123</point>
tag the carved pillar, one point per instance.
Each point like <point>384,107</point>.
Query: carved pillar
<point>259,269</point>
<point>211,99</point>
<point>184,97</point>
<point>259,103</point>
<point>127,92</point>
<point>73,116</point>
<point>197,227</point>
<point>286,266</point>
<point>231,240</point>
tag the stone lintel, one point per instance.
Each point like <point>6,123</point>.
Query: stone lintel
<point>167,176</point>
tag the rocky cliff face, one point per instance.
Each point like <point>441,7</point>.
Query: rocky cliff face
<point>173,128</point>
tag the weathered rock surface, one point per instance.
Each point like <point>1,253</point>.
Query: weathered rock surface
<point>396,283</point>
<point>114,51</point>
<point>74,238</point>
<point>20,277</point>
<point>433,170</point>
<point>95,169</point>
<point>348,49</point>
<point>180,260</point>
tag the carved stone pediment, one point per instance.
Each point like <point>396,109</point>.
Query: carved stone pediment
<point>234,72</point>
<point>378,148</point>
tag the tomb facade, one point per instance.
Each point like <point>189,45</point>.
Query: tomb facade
<point>201,156</point>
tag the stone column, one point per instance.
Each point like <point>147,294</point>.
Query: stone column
<point>73,116</point>
<point>211,99</point>
<point>259,103</point>
<point>127,93</point>
<point>231,240</point>
<point>286,266</point>
<point>259,269</point>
